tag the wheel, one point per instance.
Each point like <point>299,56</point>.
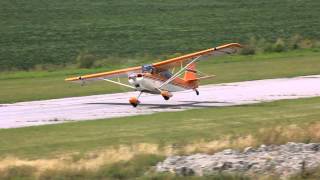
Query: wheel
<point>166,95</point>
<point>134,104</point>
<point>134,101</point>
<point>197,92</point>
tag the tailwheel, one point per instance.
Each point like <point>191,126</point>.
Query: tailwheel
<point>166,98</point>
<point>166,95</point>
<point>197,92</point>
<point>134,101</point>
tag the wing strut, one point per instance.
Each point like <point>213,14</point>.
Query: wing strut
<point>179,72</point>
<point>118,83</point>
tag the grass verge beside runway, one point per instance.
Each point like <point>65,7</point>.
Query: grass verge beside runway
<point>101,149</point>
<point>163,129</point>
<point>37,85</point>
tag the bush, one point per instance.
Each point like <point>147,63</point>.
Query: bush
<point>306,44</point>
<point>253,45</point>
<point>279,45</point>
<point>293,42</point>
<point>249,49</point>
<point>85,60</point>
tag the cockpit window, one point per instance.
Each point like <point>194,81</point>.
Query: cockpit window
<point>132,76</point>
<point>166,74</point>
<point>147,68</point>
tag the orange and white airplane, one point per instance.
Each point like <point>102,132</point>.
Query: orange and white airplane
<point>161,78</point>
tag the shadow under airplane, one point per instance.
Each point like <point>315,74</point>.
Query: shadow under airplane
<point>184,104</point>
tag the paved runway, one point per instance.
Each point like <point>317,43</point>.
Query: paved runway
<point>116,105</point>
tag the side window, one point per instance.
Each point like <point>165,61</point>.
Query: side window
<point>166,74</point>
<point>147,68</point>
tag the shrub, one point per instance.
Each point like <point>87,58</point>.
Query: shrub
<point>85,60</point>
<point>249,49</point>
<point>293,42</point>
<point>306,44</point>
<point>279,45</point>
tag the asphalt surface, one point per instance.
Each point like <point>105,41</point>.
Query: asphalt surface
<point>116,105</point>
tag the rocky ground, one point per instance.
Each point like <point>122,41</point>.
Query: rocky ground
<point>282,160</point>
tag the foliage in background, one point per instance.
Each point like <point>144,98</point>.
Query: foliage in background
<point>50,84</point>
<point>55,32</point>
<point>255,45</point>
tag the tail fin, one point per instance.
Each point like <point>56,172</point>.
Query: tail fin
<point>191,73</point>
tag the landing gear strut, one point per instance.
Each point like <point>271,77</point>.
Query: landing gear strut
<point>134,101</point>
<point>197,92</point>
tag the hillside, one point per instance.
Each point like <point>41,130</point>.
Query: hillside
<point>55,32</point>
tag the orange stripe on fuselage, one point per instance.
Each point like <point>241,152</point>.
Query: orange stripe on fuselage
<point>177,81</point>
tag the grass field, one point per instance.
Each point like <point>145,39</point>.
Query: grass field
<point>100,149</point>
<point>129,33</point>
<point>55,32</point>
<point>177,128</point>
<point>36,85</point>
<point>126,148</point>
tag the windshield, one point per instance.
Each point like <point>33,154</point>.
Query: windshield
<point>147,68</point>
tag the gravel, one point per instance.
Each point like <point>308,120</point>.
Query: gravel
<point>283,160</point>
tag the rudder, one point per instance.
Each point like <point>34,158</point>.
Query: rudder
<point>191,73</point>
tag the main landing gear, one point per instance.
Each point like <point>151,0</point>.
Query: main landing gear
<point>134,101</point>
<point>166,95</point>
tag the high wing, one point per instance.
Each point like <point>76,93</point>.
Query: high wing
<point>217,51</point>
<point>163,65</point>
<point>106,75</point>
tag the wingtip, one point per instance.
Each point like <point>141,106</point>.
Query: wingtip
<point>239,45</point>
<point>236,44</point>
<point>73,78</point>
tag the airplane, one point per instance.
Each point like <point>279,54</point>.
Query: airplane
<point>161,78</point>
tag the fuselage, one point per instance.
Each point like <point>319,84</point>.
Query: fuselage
<point>151,83</point>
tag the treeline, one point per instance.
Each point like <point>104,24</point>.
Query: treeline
<point>253,45</point>
<point>260,45</point>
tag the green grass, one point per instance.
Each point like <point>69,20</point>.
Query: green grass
<point>55,32</point>
<point>177,128</point>
<point>36,85</point>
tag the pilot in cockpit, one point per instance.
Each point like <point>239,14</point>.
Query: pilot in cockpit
<point>148,68</point>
